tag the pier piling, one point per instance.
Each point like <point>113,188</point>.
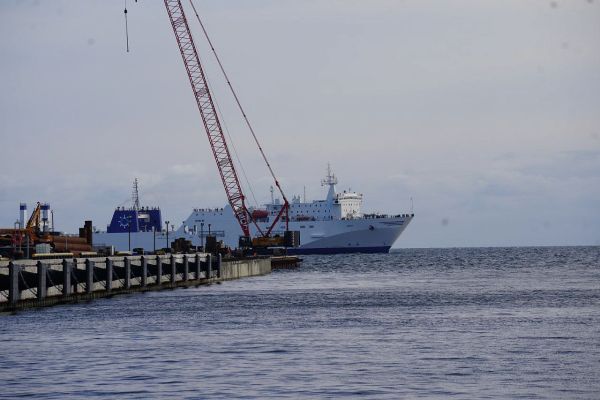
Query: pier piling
<point>144,280</point>
<point>28,283</point>
<point>66,290</point>
<point>109,274</point>
<point>198,264</point>
<point>158,270</point>
<point>186,268</point>
<point>14,293</point>
<point>173,269</point>
<point>42,287</point>
<point>127,264</point>
<point>89,276</point>
<point>209,267</point>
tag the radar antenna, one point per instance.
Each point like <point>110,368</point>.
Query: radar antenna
<point>330,179</point>
<point>135,195</point>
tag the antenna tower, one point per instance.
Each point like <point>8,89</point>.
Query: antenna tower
<point>135,195</point>
<point>330,179</point>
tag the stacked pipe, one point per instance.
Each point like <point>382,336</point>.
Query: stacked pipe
<point>64,244</point>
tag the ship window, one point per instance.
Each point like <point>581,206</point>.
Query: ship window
<point>302,226</point>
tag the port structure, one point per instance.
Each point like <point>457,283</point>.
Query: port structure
<point>212,125</point>
<point>39,231</point>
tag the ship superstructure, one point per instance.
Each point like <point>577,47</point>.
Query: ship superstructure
<point>134,227</point>
<point>135,218</point>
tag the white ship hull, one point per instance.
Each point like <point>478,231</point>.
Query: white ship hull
<point>330,236</point>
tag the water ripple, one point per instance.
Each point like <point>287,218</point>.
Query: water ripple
<point>431,323</point>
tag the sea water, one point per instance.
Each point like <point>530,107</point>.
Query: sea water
<point>417,323</point>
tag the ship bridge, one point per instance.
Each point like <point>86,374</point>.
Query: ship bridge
<point>336,206</point>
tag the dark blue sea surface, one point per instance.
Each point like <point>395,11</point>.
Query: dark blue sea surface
<point>419,323</point>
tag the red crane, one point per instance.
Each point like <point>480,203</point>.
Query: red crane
<point>212,124</point>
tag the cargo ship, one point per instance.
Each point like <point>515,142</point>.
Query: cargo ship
<point>333,225</point>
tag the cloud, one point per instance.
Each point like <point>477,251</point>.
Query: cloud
<point>191,169</point>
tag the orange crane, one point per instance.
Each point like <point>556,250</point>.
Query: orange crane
<point>31,229</point>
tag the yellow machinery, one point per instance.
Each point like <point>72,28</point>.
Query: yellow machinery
<point>268,241</point>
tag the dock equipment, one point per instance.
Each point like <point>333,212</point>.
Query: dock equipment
<point>37,231</point>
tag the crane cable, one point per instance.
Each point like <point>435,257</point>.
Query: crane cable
<point>224,123</point>
<point>237,101</point>
<point>219,111</point>
<point>226,129</point>
<point>126,27</point>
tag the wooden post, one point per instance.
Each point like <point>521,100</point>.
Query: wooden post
<point>89,276</point>
<point>66,278</point>
<point>14,294</point>
<point>127,263</point>
<point>144,271</point>
<point>109,274</point>
<point>173,268</point>
<point>42,272</point>
<point>186,268</point>
<point>198,266</point>
<point>158,270</point>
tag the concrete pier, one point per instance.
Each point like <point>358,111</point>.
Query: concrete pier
<point>29,283</point>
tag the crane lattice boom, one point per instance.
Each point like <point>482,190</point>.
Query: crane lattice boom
<point>208,112</point>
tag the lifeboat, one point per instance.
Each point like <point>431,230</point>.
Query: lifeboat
<point>259,214</point>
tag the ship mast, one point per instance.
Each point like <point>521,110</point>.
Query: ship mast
<point>135,195</point>
<point>330,180</point>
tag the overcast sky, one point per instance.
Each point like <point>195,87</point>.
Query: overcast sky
<point>486,113</point>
